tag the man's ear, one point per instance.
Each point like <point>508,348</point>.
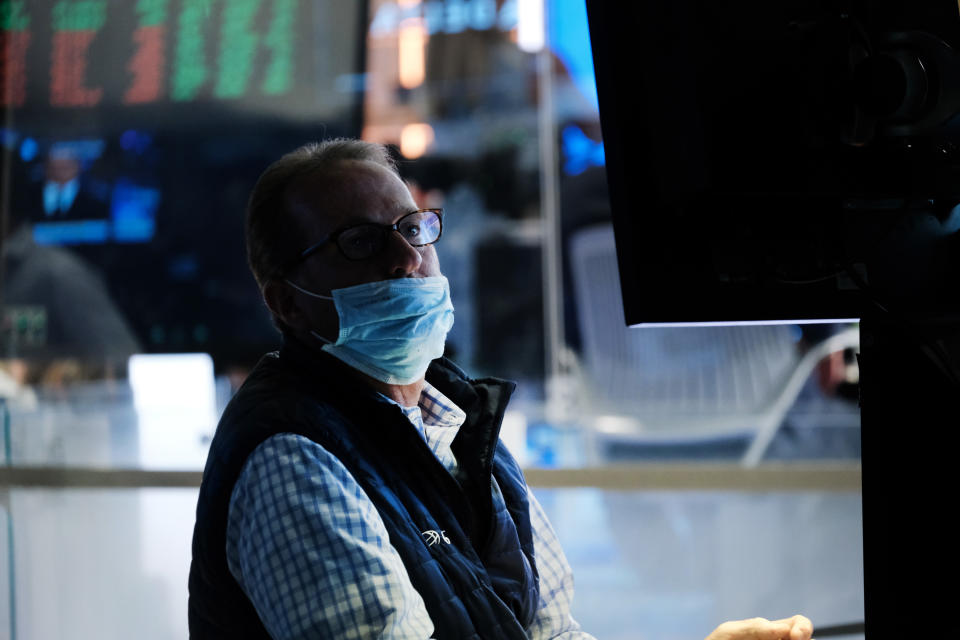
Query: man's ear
<point>280,298</point>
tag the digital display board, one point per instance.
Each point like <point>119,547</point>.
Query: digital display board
<point>283,57</point>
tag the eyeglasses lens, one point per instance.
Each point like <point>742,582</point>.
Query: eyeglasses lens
<point>418,228</point>
<point>361,242</point>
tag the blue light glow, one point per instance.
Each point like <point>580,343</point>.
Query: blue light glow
<point>28,149</point>
<point>137,141</point>
<point>580,151</point>
<point>132,210</point>
<point>79,232</point>
<point>570,40</point>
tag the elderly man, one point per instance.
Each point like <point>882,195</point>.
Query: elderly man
<point>356,486</point>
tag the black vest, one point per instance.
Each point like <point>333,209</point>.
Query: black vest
<point>481,584</point>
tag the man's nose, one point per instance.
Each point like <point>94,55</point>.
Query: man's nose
<point>402,258</point>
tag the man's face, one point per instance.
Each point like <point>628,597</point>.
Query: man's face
<point>62,168</point>
<point>364,192</point>
<point>367,192</point>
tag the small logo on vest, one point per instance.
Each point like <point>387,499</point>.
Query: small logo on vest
<point>433,537</point>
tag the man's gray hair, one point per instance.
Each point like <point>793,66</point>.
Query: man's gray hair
<point>272,233</point>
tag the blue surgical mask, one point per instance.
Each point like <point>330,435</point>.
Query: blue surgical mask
<point>390,329</point>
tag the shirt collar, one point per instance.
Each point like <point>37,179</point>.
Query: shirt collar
<point>438,410</point>
<point>59,197</point>
<point>438,420</point>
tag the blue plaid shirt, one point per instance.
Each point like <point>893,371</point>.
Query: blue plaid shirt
<point>310,550</point>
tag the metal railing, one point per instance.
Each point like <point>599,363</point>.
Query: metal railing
<point>645,477</point>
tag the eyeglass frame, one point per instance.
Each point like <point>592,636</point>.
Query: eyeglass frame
<point>312,249</point>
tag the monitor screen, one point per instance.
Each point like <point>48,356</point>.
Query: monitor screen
<point>132,134</point>
<point>780,161</point>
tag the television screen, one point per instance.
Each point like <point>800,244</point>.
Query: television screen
<point>132,134</point>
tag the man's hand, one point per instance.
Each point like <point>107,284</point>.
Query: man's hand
<point>795,628</point>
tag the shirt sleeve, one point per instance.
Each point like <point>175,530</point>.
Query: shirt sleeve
<point>553,620</point>
<point>311,552</point>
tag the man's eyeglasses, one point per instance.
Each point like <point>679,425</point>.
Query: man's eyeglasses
<point>360,242</point>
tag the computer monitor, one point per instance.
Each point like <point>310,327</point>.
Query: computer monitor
<point>780,161</point>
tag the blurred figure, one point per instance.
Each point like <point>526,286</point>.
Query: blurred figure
<point>64,194</point>
<point>72,315</point>
<point>13,387</point>
<point>836,375</point>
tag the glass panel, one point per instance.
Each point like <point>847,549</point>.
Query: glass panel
<point>664,565</point>
<point>92,563</point>
<point>162,416</point>
<point>672,565</point>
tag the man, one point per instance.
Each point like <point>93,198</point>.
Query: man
<point>64,193</point>
<point>80,318</point>
<point>356,487</point>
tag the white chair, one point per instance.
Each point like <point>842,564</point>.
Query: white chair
<point>680,385</point>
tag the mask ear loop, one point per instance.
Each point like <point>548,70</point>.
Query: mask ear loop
<point>320,337</point>
<point>314,295</point>
<point>309,293</point>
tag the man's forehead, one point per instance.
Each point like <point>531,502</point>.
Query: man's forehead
<point>350,190</point>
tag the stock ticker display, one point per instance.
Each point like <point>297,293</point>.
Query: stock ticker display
<point>90,53</point>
